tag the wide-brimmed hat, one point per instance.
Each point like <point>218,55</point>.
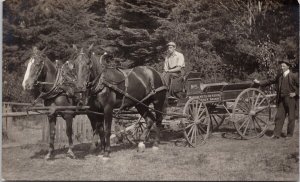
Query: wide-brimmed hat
<point>286,61</point>
<point>171,44</point>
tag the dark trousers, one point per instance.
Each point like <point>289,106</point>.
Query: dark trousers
<point>168,76</point>
<point>286,106</point>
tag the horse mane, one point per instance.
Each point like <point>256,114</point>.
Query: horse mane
<point>98,65</point>
<point>50,64</point>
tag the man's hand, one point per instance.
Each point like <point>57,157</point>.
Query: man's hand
<point>292,94</point>
<point>256,81</point>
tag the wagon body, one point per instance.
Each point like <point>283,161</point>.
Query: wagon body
<point>244,104</point>
<point>216,92</point>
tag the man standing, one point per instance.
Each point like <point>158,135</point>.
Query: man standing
<point>174,63</point>
<point>287,84</point>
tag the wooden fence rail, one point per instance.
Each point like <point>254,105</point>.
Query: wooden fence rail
<point>82,130</point>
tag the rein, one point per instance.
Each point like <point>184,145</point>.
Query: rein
<point>134,99</point>
<point>44,94</point>
<point>44,83</point>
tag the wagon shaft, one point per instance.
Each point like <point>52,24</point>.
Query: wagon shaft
<point>59,108</point>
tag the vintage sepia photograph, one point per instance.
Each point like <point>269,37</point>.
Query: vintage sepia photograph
<point>150,90</point>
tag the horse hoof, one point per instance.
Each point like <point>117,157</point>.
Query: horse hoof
<point>49,156</point>
<point>154,148</point>
<point>71,155</point>
<point>105,158</point>
<point>141,147</point>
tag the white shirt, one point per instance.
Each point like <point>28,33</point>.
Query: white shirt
<point>176,59</point>
<point>286,73</point>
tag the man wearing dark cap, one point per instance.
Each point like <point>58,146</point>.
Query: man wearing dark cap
<point>174,63</point>
<point>287,84</point>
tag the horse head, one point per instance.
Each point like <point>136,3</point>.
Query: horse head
<point>81,63</point>
<point>34,69</point>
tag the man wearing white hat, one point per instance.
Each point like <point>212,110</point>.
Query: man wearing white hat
<point>174,63</point>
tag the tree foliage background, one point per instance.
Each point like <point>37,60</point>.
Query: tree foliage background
<point>224,40</point>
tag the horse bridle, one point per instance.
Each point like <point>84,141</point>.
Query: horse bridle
<point>36,82</point>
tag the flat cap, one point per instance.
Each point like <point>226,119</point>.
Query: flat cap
<point>171,44</point>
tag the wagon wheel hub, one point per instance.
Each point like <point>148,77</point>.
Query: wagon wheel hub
<point>252,113</point>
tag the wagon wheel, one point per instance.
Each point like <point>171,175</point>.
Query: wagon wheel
<point>251,113</point>
<point>197,125</point>
<point>134,132</point>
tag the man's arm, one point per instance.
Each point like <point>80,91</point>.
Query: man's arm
<point>166,66</point>
<point>180,63</point>
<point>267,82</point>
<point>296,83</point>
<point>176,69</point>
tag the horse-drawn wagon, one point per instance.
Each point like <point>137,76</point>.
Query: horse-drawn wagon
<point>110,92</point>
<point>207,106</point>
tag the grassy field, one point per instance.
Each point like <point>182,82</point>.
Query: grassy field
<point>219,159</point>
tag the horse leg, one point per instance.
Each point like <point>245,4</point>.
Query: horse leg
<point>101,136</point>
<point>149,118</point>
<point>52,123</point>
<point>69,132</point>
<point>94,122</point>
<point>159,104</point>
<point>107,130</point>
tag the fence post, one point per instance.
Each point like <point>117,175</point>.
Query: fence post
<point>6,121</point>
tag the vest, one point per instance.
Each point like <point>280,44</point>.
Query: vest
<point>285,89</point>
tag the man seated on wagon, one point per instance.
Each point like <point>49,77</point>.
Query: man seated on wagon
<point>173,66</point>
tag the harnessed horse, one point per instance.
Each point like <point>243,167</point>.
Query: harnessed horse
<point>112,88</point>
<point>44,78</point>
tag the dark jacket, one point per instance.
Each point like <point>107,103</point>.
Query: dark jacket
<point>293,80</point>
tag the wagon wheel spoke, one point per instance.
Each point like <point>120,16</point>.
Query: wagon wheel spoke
<point>251,99</point>
<point>201,116</point>
<point>202,137</point>
<point>264,99</point>
<point>189,125</point>
<point>245,130</point>
<point>200,109</point>
<point>192,128</point>
<point>261,120</point>
<point>253,125</point>
<point>200,120</point>
<point>243,109</point>
<point>245,120</point>
<point>133,135</point>
<point>262,109</point>
<point>204,124</point>
<point>255,104</point>
<point>195,134</point>
<point>257,123</point>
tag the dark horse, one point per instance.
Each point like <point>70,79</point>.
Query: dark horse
<point>42,77</point>
<point>121,89</point>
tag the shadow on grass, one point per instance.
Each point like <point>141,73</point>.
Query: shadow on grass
<point>81,151</point>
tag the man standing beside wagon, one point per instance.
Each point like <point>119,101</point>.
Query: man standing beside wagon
<point>287,98</point>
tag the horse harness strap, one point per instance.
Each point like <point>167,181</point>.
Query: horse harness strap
<point>50,93</point>
<point>132,98</point>
<point>126,75</point>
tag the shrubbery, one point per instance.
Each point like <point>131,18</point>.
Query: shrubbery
<point>224,40</point>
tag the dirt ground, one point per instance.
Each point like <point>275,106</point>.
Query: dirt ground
<point>219,159</point>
